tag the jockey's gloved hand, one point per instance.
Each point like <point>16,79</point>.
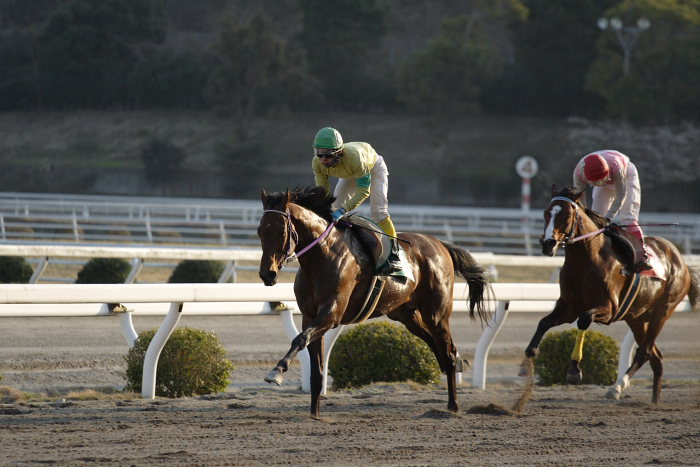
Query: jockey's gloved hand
<point>338,213</point>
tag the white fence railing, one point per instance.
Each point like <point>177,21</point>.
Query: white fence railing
<point>232,256</point>
<point>14,298</point>
<point>91,218</point>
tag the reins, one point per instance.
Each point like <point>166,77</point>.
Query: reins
<point>291,255</point>
<point>602,229</point>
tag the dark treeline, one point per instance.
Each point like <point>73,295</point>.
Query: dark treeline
<point>246,59</point>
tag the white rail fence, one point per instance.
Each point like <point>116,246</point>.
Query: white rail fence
<point>232,256</point>
<point>19,300</point>
<point>91,218</point>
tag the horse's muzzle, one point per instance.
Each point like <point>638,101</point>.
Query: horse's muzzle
<point>268,277</point>
<point>549,246</point>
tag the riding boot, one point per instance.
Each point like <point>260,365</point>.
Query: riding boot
<point>641,257</point>
<point>393,262</point>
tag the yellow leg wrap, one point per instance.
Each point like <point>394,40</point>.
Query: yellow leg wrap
<point>577,354</point>
<point>387,226</point>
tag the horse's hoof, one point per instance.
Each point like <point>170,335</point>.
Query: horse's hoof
<point>525,367</point>
<point>462,365</point>
<point>574,378</point>
<point>614,393</point>
<point>275,376</point>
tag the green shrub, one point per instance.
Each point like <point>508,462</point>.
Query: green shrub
<point>104,271</point>
<point>194,271</point>
<point>192,362</point>
<point>14,270</point>
<point>599,362</point>
<point>381,352</point>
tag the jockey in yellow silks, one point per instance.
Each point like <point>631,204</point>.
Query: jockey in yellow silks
<point>361,173</point>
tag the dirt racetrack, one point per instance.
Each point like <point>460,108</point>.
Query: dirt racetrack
<point>382,424</point>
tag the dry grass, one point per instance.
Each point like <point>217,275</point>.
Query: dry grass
<point>9,395</point>
<point>101,394</point>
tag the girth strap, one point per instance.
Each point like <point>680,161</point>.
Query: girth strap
<point>630,295</point>
<point>375,291</point>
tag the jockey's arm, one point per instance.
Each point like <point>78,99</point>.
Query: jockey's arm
<point>620,194</point>
<point>322,180</point>
<point>361,193</point>
<point>579,186</point>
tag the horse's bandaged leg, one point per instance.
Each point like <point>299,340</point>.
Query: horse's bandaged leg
<point>577,353</point>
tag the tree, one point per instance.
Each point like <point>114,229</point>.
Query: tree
<point>257,72</point>
<point>553,50</point>
<point>661,85</point>
<point>447,75</point>
<point>339,37</point>
<point>88,48</point>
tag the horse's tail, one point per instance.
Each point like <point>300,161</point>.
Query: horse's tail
<point>479,287</point>
<point>694,291</point>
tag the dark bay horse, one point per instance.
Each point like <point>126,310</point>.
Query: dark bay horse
<point>596,287</point>
<point>334,276</point>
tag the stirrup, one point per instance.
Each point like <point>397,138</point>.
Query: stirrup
<point>392,265</point>
<point>643,265</point>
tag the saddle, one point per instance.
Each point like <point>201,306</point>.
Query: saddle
<point>625,245</point>
<point>377,243</point>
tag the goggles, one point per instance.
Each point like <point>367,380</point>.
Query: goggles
<point>327,155</point>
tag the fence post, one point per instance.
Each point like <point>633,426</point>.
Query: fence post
<point>150,361</point>
<point>484,344</point>
<point>39,270</point>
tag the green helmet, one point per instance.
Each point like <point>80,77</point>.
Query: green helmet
<point>328,138</point>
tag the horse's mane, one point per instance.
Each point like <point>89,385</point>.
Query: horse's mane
<point>571,193</point>
<point>313,198</point>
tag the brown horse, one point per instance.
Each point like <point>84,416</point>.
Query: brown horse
<point>596,286</point>
<point>335,274</point>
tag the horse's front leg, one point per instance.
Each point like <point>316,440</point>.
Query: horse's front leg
<point>299,343</point>
<point>574,375</point>
<point>316,357</point>
<point>559,315</point>
<point>312,331</point>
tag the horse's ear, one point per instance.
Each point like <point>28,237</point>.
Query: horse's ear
<point>577,195</point>
<point>264,197</point>
<point>555,190</point>
<point>287,197</point>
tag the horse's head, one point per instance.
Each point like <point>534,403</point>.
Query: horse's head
<point>277,235</point>
<point>560,219</point>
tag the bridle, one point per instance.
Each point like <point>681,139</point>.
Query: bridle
<point>292,240</point>
<point>569,237</point>
<point>292,237</point>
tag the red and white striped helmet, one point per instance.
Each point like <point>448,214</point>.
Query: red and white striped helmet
<point>595,167</point>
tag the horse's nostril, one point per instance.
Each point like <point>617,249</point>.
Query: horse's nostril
<point>268,277</point>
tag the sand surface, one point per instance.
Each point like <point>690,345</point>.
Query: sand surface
<point>253,423</point>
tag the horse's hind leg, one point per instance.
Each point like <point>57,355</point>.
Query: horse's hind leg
<point>436,333</point>
<point>645,334</point>
<point>657,367</point>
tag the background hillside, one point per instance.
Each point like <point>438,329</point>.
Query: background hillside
<point>470,161</point>
<point>220,98</point>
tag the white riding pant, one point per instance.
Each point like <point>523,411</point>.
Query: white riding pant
<point>603,197</point>
<point>378,201</point>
